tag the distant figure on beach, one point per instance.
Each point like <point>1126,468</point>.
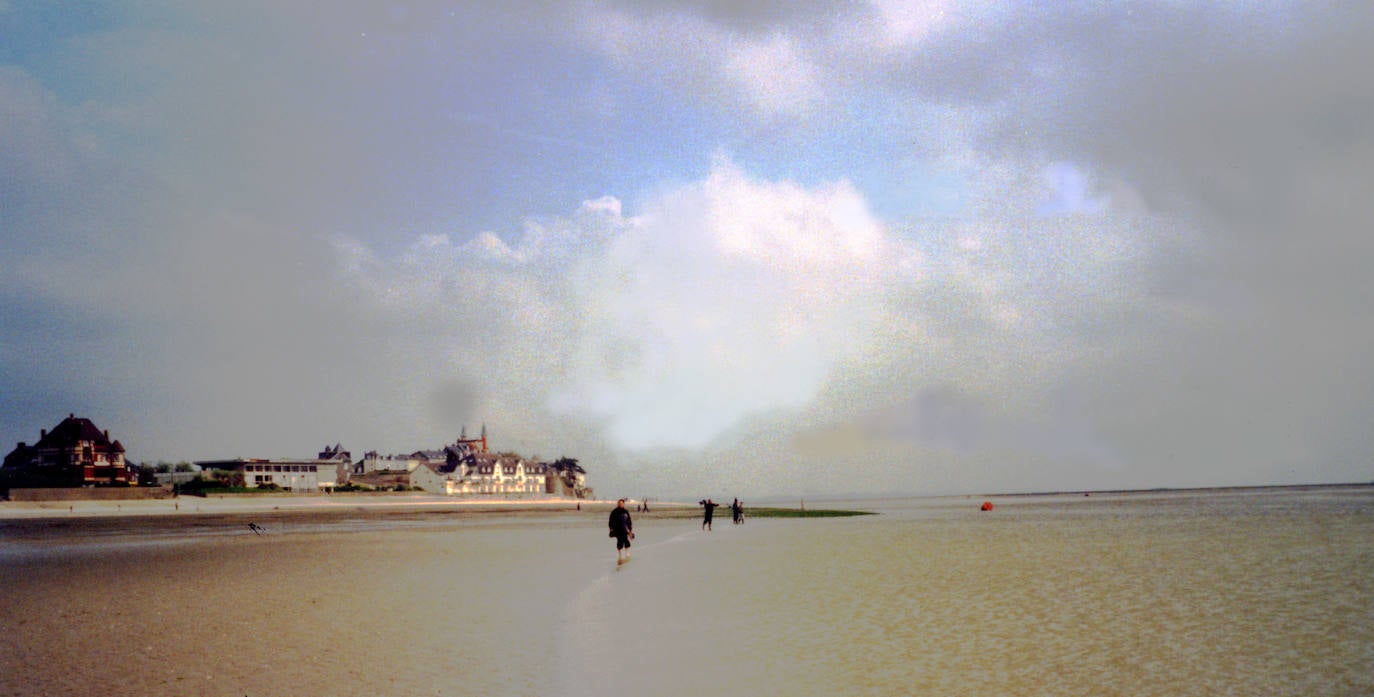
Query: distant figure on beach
<point>622,529</point>
<point>257,529</point>
<point>737,511</point>
<point>710,507</point>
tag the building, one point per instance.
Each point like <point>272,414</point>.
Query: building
<point>504,475</point>
<point>318,474</point>
<point>487,474</point>
<point>376,463</point>
<point>434,478</point>
<point>74,453</point>
<point>285,473</point>
<point>467,468</point>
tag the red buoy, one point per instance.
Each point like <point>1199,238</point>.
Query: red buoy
<point>987,506</point>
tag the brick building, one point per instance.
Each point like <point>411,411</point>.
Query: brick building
<point>73,453</point>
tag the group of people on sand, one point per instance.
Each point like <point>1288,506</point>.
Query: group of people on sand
<point>623,528</point>
<point>709,506</point>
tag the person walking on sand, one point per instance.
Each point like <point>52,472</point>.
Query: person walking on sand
<point>622,529</point>
<point>710,507</point>
<point>737,512</point>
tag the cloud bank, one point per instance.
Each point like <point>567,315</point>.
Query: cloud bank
<point>881,247</point>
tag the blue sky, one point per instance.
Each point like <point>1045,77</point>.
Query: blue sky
<point>899,247</point>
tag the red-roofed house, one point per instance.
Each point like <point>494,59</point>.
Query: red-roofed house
<point>73,453</point>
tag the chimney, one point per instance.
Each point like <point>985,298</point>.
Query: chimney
<point>107,434</point>
<point>42,433</point>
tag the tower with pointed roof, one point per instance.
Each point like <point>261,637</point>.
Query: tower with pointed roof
<point>477,445</point>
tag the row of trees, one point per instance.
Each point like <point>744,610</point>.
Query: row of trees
<point>568,469</point>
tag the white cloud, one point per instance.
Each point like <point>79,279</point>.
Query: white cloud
<point>734,308</point>
<point>907,23</point>
<point>774,74</point>
<point>1070,192</point>
<point>725,298</point>
<point>770,74</point>
<point>489,246</point>
<point>729,297</point>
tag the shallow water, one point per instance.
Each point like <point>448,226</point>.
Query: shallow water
<point>1185,593</point>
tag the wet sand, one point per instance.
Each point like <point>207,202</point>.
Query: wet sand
<point>1169,593</point>
<point>67,521</point>
<point>360,602</point>
<point>230,504</point>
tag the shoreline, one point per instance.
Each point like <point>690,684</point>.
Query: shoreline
<point>291,504</point>
<point>46,520</point>
<point>59,521</point>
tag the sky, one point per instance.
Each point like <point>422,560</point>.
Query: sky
<point>707,248</point>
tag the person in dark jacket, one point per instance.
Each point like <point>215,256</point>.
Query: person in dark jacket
<point>710,507</point>
<point>622,529</point>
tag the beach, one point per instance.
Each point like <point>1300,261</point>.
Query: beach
<point>233,504</point>
<point>189,517</point>
<point>1172,593</point>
